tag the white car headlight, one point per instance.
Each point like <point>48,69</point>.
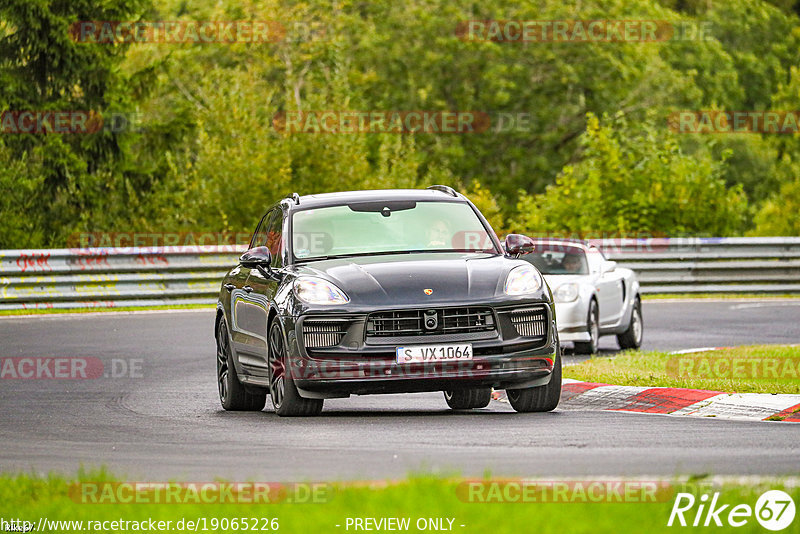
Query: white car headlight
<point>319,291</point>
<point>522,280</point>
<point>566,292</point>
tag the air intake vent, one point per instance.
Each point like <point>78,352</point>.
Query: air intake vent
<point>530,322</point>
<point>322,334</point>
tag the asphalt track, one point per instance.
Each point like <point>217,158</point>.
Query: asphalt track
<point>165,422</point>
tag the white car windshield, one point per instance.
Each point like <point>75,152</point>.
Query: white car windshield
<point>385,227</point>
<point>558,259</point>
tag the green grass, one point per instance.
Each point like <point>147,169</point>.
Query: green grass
<point>45,311</point>
<point>31,498</point>
<point>666,296</point>
<point>700,370</point>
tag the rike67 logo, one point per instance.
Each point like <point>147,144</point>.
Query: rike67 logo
<point>774,510</point>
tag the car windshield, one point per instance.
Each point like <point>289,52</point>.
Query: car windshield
<point>558,259</point>
<point>384,227</point>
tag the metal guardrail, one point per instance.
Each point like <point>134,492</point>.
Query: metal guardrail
<point>113,277</point>
<point>710,264</point>
<point>116,277</point>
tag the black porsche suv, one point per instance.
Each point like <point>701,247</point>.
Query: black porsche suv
<point>389,291</point>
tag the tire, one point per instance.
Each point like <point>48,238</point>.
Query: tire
<point>593,325</point>
<point>632,337</point>
<point>467,399</point>
<point>539,399</point>
<point>283,392</point>
<point>232,394</point>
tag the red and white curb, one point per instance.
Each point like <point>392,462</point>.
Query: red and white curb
<point>677,401</point>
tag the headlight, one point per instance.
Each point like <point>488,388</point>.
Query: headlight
<point>522,280</point>
<point>319,291</point>
<point>566,293</point>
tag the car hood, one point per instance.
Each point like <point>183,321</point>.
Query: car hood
<point>402,279</point>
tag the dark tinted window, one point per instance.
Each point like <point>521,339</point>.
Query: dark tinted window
<point>260,235</point>
<point>273,239</point>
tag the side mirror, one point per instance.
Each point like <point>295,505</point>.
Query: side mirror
<point>517,244</point>
<point>256,257</point>
<point>608,266</point>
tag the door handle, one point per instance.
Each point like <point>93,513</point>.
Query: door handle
<point>229,287</point>
<point>248,288</point>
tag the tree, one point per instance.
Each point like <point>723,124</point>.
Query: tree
<point>43,69</point>
<point>633,180</point>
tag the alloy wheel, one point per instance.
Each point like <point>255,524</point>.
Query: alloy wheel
<point>223,353</point>
<point>277,366</point>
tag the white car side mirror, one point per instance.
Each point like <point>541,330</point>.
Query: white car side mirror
<point>608,267</point>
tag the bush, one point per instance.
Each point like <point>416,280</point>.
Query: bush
<point>778,214</point>
<point>635,180</point>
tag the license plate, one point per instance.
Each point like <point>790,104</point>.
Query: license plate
<point>434,353</point>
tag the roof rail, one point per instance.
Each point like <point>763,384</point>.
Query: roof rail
<point>296,198</point>
<point>444,189</point>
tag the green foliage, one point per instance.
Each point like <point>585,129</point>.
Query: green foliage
<point>487,204</point>
<point>631,180</point>
<point>779,214</point>
<point>52,185</point>
<point>763,42</point>
<point>209,159</point>
<point>20,179</point>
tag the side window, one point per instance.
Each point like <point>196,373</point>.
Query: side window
<point>260,235</point>
<point>274,241</point>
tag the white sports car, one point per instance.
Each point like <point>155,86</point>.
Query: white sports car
<point>593,296</point>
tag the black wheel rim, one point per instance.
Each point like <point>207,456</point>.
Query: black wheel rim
<point>594,332</point>
<point>223,351</point>
<point>277,366</point>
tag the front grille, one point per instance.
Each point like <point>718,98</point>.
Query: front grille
<point>396,323</point>
<point>461,320</point>
<point>530,322</point>
<point>322,334</point>
<point>448,321</point>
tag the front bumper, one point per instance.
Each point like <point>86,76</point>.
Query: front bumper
<point>502,359</point>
